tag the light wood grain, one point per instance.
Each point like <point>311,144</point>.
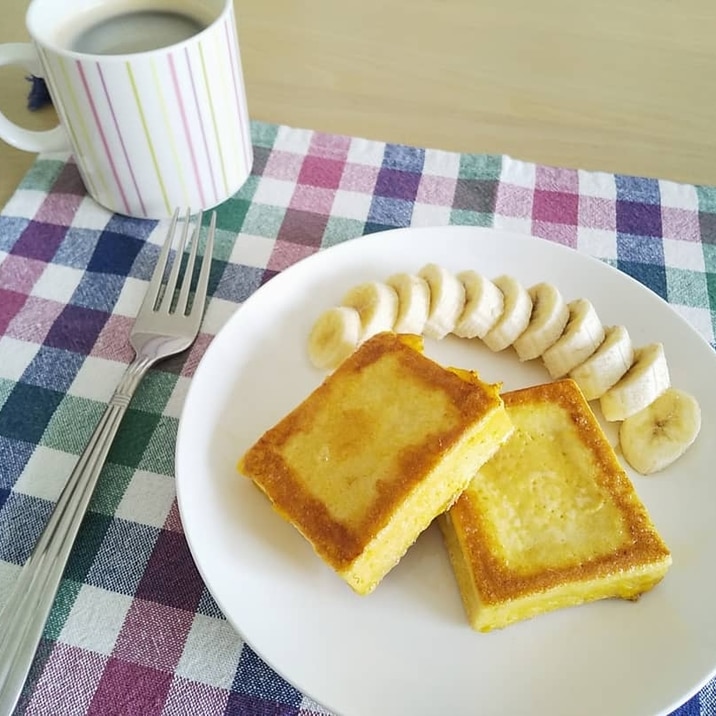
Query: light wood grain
<point>613,86</point>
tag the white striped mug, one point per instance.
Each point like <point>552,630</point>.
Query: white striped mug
<point>150,97</point>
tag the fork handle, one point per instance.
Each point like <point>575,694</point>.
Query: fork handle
<point>22,621</point>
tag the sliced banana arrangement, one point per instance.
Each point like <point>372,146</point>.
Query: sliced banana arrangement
<point>632,384</point>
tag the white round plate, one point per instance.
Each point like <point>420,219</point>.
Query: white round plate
<point>407,648</point>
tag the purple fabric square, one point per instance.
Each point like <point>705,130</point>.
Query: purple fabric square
<point>69,181</point>
<point>283,165</point>
<point>303,227</point>
<point>34,319</point>
<point>10,303</point>
<point>565,234</point>
<point>331,146</point>
<point>436,190</point>
<point>397,184</point>
<point>312,198</point>
<point>190,698</point>
<point>19,273</point>
<point>557,207</point>
<point>129,690</point>
<point>634,217</point>
<point>76,329</point>
<point>286,253</point>
<point>317,171</point>
<point>170,576</point>
<point>39,241</point>
<point>153,635</point>
<point>514,201</point>
<point>680,224</point>
<point>359,177</point>
<point>59,208</point>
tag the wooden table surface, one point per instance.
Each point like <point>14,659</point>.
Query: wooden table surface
<point>613,86</point>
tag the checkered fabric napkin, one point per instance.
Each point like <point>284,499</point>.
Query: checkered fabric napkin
<point>134,630</point>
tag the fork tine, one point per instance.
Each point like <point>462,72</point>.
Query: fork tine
<point>183,299</point>
<point>197,308</point>
<point>176,266</point>
<point>155,283</point>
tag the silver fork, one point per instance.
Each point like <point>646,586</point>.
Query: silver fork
<point>163,327</point>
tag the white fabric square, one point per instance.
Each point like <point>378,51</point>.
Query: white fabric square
<point>698,318</point>
<point>518,172</point>
<point>9,573</point>
<point>130,297</point>
<point>678,196</point>
<point>217,640</point>
<point>175,403</point>
<point>293,140</point>
<point>147,499</point>
<point>251,250</point>
<point>364,151</point>
<point>57,283</point>
<point>430,215</point>
<point>684,255</point>
<point>441,163</point>
<point>218,312</point>
<point>97,379</point>
<point>46,473</point>
<point>274,192</point>
<point>597,184</point>
<point>96,619</point>
<point>351,204</point>
<point>513,223</point>
<point>90,215</point>
<point>597,242</point>
<point>16,356</point>
<point>25,203</point>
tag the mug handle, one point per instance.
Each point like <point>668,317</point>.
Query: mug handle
<point>49,140</point>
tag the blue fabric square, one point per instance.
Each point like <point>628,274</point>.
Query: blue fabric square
<point>98,290</point>
<point>22,520</point>
<point>11,228</point>
<point>408,159</point>
<point>27,411</point>
<point>4,494</point>
<point>391,212</point>
<point>134,542</point>
<point>14,455</point>
<point>255,678</point>
<point>691,708</point>
<point>652,276</point>
<point>637,189</point>
<point>114,253</point>
<point>53,368</point>
<point>238,282</point>
<point>129,226</point>
<point>208,607</point>
<point>648,250</point>
<point>77,248</point>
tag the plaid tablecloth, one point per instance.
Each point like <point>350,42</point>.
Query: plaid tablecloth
<point>134,631</point>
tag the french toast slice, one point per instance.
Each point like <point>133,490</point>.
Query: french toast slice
<point>365,463</point>
<point>551,520</point>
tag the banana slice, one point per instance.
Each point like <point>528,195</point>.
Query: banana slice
<point>413,302</point>
<point>515,316</point>
<point>641,385</point>
<point>334,336</point>
<point>662,432</point>
<point>549,317</point>
<point>484,304</point>
<point>447,300</point>
<point>582,335</point>
<point>606,365</point>
<point>377,306</point>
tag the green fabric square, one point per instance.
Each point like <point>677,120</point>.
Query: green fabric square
<point>707,198</point>
<point>42,175</point>
<point>465,217</point>
<point>339,230</point>
<point>89,539</point>
<point>154,391</point>
<point>709,257</point>
<point>480,166</point>
<point>248,189</point>
<point>263,134</point>
<point>61,608</point>
<point>72,424</point>
<point>231,214</point>
<point>223,245</point>
<point>688,288</point>
<point>111,486</point>
<point>134,435</point>
<point>264,220</point>
<point>159,454</point>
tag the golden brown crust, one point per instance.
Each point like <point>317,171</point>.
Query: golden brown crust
<point>496,581</point>
<point>404,377</point>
